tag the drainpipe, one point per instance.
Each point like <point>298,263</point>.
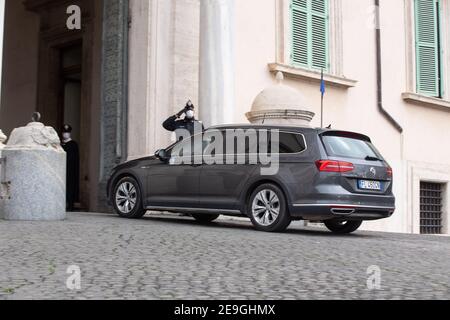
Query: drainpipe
<point>380,105</point>
<point>383,111</point>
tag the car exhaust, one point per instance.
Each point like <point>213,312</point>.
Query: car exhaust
<point>342,211</point>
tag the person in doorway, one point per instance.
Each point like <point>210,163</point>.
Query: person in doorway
<point>189,123</point>
<point>73,167</point>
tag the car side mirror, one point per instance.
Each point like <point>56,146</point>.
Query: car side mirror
<point>162,155</point>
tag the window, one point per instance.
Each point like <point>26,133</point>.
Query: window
<point>288,143</point>
<point>310,31</point>
<point>242,141</point>
<point>337,146</point>
<point>428,48</point>
<point>187,148</point>
<point>431,208</point>
<point>291,143</point>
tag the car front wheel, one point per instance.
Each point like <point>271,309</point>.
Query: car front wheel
<point>267,208</point>
<point>342,227</point>
<point>127,199</point>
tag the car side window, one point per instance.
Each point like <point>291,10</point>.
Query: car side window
<point>291,143</point>
<point>244,143</point>
<point>210,142</point>
<point>180,148</point>
<point>288,143</point>
<point>183,151</point>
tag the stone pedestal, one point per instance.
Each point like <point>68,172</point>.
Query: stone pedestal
<point>34,173</point>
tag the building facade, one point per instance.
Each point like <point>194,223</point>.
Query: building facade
<point>133,63</point>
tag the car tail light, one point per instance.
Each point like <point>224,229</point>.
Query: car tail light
<point>334,166</point>
<point>389,172</point>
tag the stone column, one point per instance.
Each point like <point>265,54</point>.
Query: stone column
<point>163,69</point>
<point>216,92</point>
<point>114,91</point>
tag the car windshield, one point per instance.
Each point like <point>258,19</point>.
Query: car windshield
<point>338,146</point>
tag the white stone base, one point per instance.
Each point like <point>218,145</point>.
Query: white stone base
<point>281,117</point>
<point>38,185</point>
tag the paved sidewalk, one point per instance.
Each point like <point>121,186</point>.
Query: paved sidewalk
<point>175,258</point>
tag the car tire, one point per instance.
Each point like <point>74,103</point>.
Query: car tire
<point>205,218</point>
<point>267,209</point>
<point>127,199</point>
<point>343,227</point>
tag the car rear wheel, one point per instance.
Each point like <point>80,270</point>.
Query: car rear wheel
<point>342,227</point>
<point>127,199</point>
<point>267,208</point>
<point>205,218</point>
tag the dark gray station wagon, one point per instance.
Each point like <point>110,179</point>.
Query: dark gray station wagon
<point>335,177</point>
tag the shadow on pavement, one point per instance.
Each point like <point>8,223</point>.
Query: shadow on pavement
<point>241,225</point>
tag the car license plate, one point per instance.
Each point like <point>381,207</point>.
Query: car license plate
<point>369,185</point>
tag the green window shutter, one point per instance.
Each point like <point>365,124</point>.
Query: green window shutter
<point>427,47</point>
<point>300,32</point>
<point>319,41</point>
<point>310,33</point>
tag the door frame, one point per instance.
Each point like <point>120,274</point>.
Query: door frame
<point>49,93</point>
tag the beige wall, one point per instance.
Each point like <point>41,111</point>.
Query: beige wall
<point>19,88</point>
<point>426,129</point>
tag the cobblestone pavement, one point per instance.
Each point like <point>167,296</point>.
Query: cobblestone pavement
<point>163,257</point>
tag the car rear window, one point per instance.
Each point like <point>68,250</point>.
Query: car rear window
<point>338,146</point>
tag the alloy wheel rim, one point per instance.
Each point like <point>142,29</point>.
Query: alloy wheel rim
<point>266,207</point>
<point>126,197</point>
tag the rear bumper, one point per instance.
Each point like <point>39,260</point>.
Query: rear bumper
<point>344,211</point>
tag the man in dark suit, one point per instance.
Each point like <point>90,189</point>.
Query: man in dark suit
<point>73,167</point>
